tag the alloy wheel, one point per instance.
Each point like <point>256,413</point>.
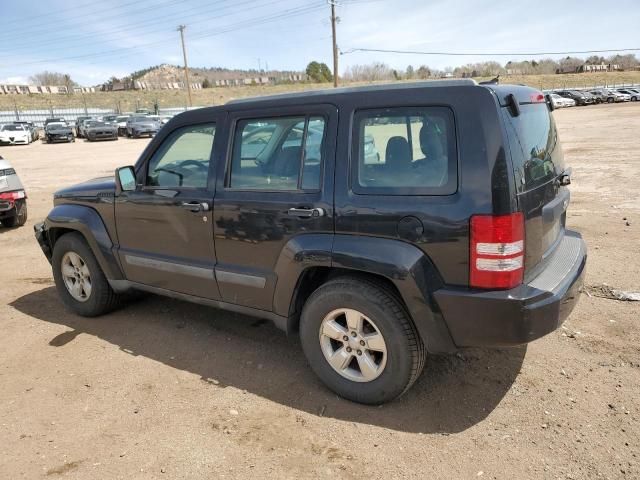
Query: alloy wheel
<point>76,276</point>
<point>353,345</point>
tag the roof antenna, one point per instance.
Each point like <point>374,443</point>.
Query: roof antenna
<point>493,81</point>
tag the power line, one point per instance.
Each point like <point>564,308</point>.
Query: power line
<point>485,54</point>
<point>21,30</point>
<point>229,28</point>
<point>125,29</point>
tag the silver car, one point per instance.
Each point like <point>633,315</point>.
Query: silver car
<point>139,125</point>
<point>13,198</point>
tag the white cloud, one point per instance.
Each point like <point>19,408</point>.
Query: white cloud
<point>14,80</point>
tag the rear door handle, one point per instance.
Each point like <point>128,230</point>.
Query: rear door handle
<point>195,206</point>
<point>306,212</point>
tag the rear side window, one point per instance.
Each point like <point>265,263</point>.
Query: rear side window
<point>404,151</point>
<point>535,147</point>
<point>283,153</point>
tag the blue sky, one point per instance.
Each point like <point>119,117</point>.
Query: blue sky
<point>93,40</point>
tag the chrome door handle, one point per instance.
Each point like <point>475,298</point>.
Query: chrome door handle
<point>195,206</point>
<point>306,212</point>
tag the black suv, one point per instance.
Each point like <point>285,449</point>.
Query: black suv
<point>452,235</point>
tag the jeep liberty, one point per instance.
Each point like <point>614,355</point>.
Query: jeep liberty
<point>382,223</point>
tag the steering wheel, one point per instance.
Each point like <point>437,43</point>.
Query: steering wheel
<point>198,164</point>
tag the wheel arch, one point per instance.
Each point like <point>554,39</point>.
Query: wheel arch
<point>87,222</point>
<point>400,267</point>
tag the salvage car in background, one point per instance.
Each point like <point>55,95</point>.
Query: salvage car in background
<point>579,97</point>
<point>79,122</point>
<point>94,131</point>
<point>58,132</point>
<point>140,125</point>
<point>12,134</point>
<point>33,130</point>
<point>634,94</point>
<point>606,95</point>
<point>121,123</point>
<point>13,199</point>
<point>561,102</point>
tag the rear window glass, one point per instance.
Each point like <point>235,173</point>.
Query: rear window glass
<point>535,147</point>
<point>404,151</point>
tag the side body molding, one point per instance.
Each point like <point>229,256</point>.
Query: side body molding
<point>410,270</point>
<point>86,221</point>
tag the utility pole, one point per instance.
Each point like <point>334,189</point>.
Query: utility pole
<point>186,67</point>
<point>335,44</point>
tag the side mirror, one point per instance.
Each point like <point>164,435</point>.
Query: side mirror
<point>125,180</point>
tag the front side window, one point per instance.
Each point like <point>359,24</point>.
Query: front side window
<point>183,158</point>
<point>283,153</point>
<point>405,151</point>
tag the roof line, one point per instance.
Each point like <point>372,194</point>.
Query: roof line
<point>359,89</point>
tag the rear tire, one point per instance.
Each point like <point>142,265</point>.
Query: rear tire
<point>75,269</point>
<point>19,219</point>
<point>376,361</point>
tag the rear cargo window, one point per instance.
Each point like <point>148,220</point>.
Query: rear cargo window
<point>535,148</point>
<point>404,151</point>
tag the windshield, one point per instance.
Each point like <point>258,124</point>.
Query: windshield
<point>535,148</point>
<point>13,128</point>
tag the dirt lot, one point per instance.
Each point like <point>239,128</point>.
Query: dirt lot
<point>164,389</point>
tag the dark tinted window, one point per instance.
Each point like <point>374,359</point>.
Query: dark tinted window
<point>283,153</point>
<point>405,151</point>
<point>535,147</point>
<point>183,158</point>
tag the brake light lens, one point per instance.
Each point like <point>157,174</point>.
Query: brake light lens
<point>536,98</point>
<point>497,251</point>
<point>12,196</point>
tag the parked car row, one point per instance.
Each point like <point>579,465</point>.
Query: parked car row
<point>573,97</point>
<point>108,127</point>
<point>112,126</point>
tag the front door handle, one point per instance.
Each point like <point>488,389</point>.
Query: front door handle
<point>306,212</point>
<point>195,206</point>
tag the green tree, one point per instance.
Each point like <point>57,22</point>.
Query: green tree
<point>319,72</point>
<point>206,83</point>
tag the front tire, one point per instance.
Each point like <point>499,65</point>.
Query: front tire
<point>360,341</point>
<point>80,282</point>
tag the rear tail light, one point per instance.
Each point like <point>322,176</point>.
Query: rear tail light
<point>497,251</point>
<point>13,196</point>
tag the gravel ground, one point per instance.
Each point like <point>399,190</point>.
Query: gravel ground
<point>165,389</point>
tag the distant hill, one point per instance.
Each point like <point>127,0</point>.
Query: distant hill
<point>163,74</point>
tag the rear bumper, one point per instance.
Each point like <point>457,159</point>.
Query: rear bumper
<point>523,314</point>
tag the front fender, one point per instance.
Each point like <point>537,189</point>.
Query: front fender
<point>410,270</point>
<point>87,222</point>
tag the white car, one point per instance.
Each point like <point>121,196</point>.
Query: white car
<point>560,102</point>
<point>13,198</point>
<point>14,134</point>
